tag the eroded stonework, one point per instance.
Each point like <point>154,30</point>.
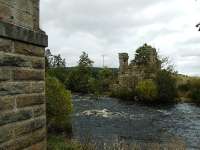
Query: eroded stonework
<point>24,13</point>
<point>131,74</point>
<point>22,76</point>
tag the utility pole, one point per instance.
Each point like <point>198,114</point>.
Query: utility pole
<point>103,56</point>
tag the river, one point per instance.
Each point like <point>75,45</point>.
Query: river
<point>107,120</point>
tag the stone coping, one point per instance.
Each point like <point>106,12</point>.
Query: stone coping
<point>14,32</point>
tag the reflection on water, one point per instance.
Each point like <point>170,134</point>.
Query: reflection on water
<point>109,119</point>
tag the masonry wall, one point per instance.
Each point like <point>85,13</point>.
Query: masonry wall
<point>22,78</point>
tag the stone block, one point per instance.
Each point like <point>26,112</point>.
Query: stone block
<point>38,63</point>
<point>11,117</point>
<point>10,145</point>
<point>21,34</point>
<point>39,136</point>
<point>19,12</point>
<point>23,128</point>
<point>14,60</point>
<point>23,142</point>
<point>13,88</point>
<point>39,110</point>
<point>7,103</point>
<point>16,88</point>
<point>5,45</point>
<point>37,87</point>
<point>28,49</point>
<point>22,74</point>
<point>29,126</point>
<point>5,12</point>
<point>11,60</point>
<point>5,74</point>
<point>30,100</point>
<point>39,123</point>
<point>6,133</point>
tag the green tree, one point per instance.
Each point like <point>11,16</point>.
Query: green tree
<point>105,77</point>
<point>78,80</point>
<point>59,106</point>
<point>54,61</point>
<point>144,53</point>
<point>85,61</point>
<point>147,90</point>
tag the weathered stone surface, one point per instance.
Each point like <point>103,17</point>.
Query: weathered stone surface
<point>23,128</point>
<point>39,110</point>
<point>28,49</point>
<point>21,34</point>
<point>38,63</point>
<point>39,123</point>
<point>5,74</point>
<point>30,139</point>
<point>38,136</point>
<point>38,87</point>
<point>16,88</point>
<point>14,60</point>
<point>10,117</point>
<point>7,103</point>
<point>22,74</point>
<point>10,145</point>
<point>11,12</point>
<point>30,100</point>
<point>23,142</point>
<point>6,45</point>
<point>13,88</point>
<point>29,126</point>
<point>6,133</point>
<point>21,61</point>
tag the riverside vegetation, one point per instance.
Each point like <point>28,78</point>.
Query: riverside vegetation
<point>166,86</point>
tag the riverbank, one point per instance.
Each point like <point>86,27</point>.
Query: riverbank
<point>61,143</point>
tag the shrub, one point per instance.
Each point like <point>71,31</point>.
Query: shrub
<point>122,93</point>
<point>60,73</point>
<point>78,80</point>
<point>166,84</point>
<point>147,90</point>
<point>194,90</point>
<point>59,106</point>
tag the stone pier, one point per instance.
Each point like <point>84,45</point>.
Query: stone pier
<point>22,76</point>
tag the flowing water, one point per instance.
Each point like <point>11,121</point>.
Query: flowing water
<point>107,120</point>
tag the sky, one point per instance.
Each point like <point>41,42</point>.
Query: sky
<point>109,27</point>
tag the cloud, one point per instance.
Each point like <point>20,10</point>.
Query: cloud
<point>109,27</point>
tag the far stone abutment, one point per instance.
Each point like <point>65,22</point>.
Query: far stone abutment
<point>22,76</point>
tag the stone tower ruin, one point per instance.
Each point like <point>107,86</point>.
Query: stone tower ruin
<point>22,76</point>
<point>123,63</point>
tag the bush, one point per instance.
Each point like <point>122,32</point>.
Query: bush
<point>147,90</point>
<point>194,90</point>
<point>59,106</point>
<point>122,93</point>
<point>166,84</point>
<point>60,73</point>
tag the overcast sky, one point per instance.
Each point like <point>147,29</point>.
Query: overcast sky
<point>107,27</point>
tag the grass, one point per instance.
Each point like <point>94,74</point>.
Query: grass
<point>61,143</point>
